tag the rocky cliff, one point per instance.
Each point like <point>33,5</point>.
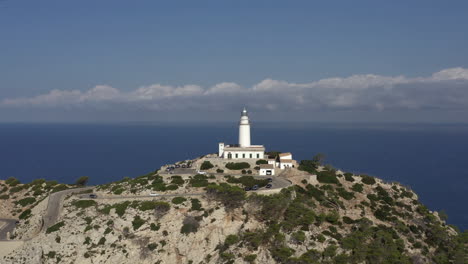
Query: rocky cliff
<point>324,216</point>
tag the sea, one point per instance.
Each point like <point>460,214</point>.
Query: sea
<point>430,159</point>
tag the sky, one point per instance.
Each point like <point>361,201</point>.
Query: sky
<point>327,61</point>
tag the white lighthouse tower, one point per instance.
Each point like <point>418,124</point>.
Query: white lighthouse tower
<point>244,130</point>
<point>243,150</point>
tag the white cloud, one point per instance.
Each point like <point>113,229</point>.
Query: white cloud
<point>446,89</point>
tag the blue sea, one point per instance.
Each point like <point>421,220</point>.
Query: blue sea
<point>430,159</point>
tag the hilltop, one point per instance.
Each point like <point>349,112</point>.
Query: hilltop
<point>312,214</point>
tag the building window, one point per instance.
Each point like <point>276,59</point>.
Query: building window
<point>243,155</point>
<point>229,155</point>
<point>237,155</point>
<point>258,156</point>
<point>250,155</point>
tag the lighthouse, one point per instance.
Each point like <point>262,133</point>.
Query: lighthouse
<point>242,150</point>
<point>244,130</point>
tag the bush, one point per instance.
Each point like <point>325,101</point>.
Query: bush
<point>258,162</point>
<point>199,181</point>
<point>231,240</point>
<point>155,227</point>
<point>247,181</point>
<point>230,196</point>
<point>357,187</point>
<point>349,177</point>
<point>82,181</point>
<point>154,205</point>
<point>12,181</point>
<point>206,165</point>
<point>177,180</point>
<point>219,171</point>
<point>178,200</point>
<point>250,258</point>
<point>137,222</point>
<point>26,201</point>
<point>367,179</point>
<point>55,227</point>
<point>190,225</point>
<point>51,254</point>
<point>196,205</point>
<point>327,177</point>
<point>348,220</point>
<point>60,187</point>
<point>299,236</point>
<point>120,208</point>
<point>237,165</point>
<point>84,203</point>
<point>345,194</point>
<point>4,197</point>
<point>152,246</point>
<point>102,241</point>
<point>25,214</point>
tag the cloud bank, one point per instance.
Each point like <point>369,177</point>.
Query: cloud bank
<point>443,90</point>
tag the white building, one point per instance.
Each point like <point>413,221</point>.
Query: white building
<point>243,150</point>
<point>267,169</point>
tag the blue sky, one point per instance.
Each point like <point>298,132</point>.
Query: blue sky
<point>76,46</point>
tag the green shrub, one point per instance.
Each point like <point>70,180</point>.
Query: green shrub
<point>60,187</point>
<point>231,240</point>
<point>172,187</point>
<point>151,205</point>
<point>107,231</point>
<point>237,165</point>
<point>51,254</point>
<point>190,225</point>
<point>219,171</point>
<point>55,227</point>
<point>327,177</point>
<point>26,201</point>
<point>367,180</point>
<point>25,214</point>
<point>345,194</point>
<point>102,241</point>
<point>308,165</point>
<point>178,200</point>
<point>177,180</point>
<point>258,162</point>
<point>348,220</point>
<point>349,177</point>
<point>12,181</point>
<point>137,222</point>
<point>299,236</point>
<point>247,181</point>
<point>120,208</point>
<point>281,254</point>
<point>196,205</point>
<point>250,258</point>
<point>206,165</point>
<point>84,203</point>
<point>152,246</point>
<point>230,196</point>
<point>4,197</point>
<point>332,217</point>
<point>199,181</point>
<point>155,227</point>
<point>357,187</point>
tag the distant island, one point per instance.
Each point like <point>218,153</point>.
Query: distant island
<point>241,205</point>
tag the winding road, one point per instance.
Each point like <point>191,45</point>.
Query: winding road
<point>54,205</point>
